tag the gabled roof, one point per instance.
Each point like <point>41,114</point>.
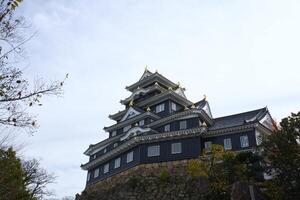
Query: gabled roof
<point>168,94</point>
<point>119,115</point>
<point>151,78</point>
<point>132,120</point>
<point>239,119</point>
<point>143,91</point>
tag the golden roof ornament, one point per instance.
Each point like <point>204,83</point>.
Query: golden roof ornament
<point>148,109</point>
<point>146,68</point>
<point>131,103</point>
<point>205,97</point>
<point>193,106</point>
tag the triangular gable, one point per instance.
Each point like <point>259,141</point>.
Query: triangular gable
<point>267,121</point>
<point>206,108</point>
<point>131,112</point>
<point>180,91</point>
<point>146,74</point>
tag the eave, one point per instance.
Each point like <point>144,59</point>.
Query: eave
<point>175,116</point>
<point>95,147</point>
<point>162,97</point>
<point>134,141</point>
<point>156,77</point>
<point>144,91</point>
<point>131,121</point>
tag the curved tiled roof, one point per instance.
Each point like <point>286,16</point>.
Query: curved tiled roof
<point>238,119</point>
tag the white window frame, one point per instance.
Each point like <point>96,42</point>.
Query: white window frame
<point>88,176</point>
<point>96,173</point>
<point>106,168</point>
<point>126,128</point>
<point>207,146</point>
<point>153,150</point>
<point>244,141</point>
<point>181,123</point>
<point>227,144</point>
<point>129,157</point>
<point>173,106</point>
<point>176,148</point>
<point>142,123</point>
<point>160,107</point>
<point>117,163</point>
<point>167,128</point>
<point>114,133</point>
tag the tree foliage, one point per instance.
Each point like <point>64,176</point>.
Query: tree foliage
<point>282,153</point>
<point>21,180</point>
<point>223,168</point>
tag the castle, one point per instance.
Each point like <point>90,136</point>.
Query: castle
<point>159,124</point>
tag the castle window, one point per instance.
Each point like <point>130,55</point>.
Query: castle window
<point>227,144</point>
<point>129,157</point>
<point>182,125</point>
<point>167,128</point>
<point>244,141</point>
<point>88,176</point>
<point>153,151</point>
<point>117,163</point>
<point>142,123</point>
<point>114,133</point>
<point>173,106</point>
<point>126,128</point>
<point>106,168</point>
<point>96,173</point>
<point>207,146</point>
<point>160,108</point>
<point>94,156</point>
<point>176,148</point>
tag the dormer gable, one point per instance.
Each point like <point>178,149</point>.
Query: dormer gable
<point>131,112</point>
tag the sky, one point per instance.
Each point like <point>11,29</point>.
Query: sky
<point>242,55</point>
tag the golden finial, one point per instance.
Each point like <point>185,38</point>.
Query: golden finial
<point>205,97</point>
<point>131,103</point>
<point>146,68</point>
<point>148,109</point>
<point>193,106</point>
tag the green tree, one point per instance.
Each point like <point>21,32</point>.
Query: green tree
<point>223,168</point>
<point>12,185</point>
<point>282,153</point>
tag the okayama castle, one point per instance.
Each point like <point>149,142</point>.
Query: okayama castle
<point>159,124</point>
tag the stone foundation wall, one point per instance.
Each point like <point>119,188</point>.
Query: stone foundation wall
<point>166,180</point>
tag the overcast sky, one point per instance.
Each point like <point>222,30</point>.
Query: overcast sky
<point>242,54</point>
